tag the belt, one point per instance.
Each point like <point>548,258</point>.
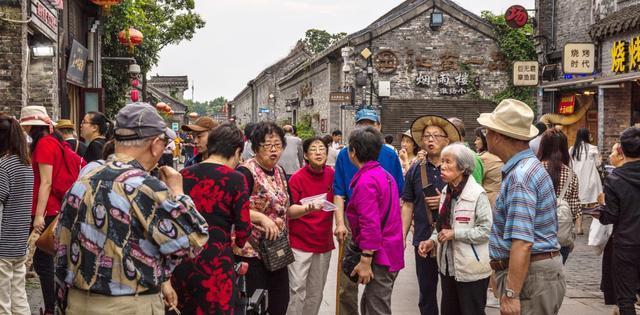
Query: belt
<point>503,264</point>
<point>150,291</point>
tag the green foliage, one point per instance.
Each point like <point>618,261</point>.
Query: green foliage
<point>515,45</point>
<point>207,107</point>
<point>318,40</point>
<point>162,23</point>
<point>304,128</point>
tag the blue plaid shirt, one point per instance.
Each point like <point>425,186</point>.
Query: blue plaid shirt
<point>525,208</point>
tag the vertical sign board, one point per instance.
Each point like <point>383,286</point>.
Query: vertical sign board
<point>77,64</point>
<point>525,73</point>
<point>578,58</point>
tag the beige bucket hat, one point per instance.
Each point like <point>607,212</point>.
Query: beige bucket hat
<point>418,125</point>
<point>35,116</point>
<point>511,118</point>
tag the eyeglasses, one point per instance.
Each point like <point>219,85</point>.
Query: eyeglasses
<point>86,123</point>
<point>271,146</point>
<point>434,137</point>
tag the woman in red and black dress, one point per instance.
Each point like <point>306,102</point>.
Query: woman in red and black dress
<point>206,284</point>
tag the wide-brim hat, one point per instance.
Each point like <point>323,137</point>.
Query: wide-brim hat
<point>201,124</point>
<point>511,118</point>
<point>65,124</point>
<point>418,125</point>
<point>405,134</point>
<point>34,116</point>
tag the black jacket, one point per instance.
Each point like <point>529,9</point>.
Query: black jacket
<point>622,204</point>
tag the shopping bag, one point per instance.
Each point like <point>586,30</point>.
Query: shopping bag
<point>599,235</point>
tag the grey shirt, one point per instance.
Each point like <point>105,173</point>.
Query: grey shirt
<point>292,157</point>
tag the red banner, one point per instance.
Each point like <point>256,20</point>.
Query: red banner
<point>567,105</point>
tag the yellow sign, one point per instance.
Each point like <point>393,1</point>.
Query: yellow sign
<point>366,53</point>
<point>634,53</point>
<point>578,58</point>
<point>619,56</point>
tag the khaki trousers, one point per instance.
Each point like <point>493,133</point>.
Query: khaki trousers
<point>307,277</point>
<point>13,296</point>
<point>83,302</point>
<point>543,289</point>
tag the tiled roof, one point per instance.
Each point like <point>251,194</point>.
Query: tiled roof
<point>623,20</point>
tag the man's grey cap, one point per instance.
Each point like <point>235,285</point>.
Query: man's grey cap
<point>139,121</point>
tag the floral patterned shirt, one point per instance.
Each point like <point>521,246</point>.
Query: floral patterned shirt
<point>121,232</point>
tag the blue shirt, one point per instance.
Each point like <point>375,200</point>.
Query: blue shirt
<point>413,193</point>
<point>345,170</point>
<point>525,208</point>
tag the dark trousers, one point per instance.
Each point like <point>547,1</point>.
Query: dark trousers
<point>427,272</point>
<point>626,263</point>
<point>463,298</point>
<point>275,282</point>
<point>43,265</point>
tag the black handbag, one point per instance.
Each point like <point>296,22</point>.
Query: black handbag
<point>352,253</point>
<point>276,254</point>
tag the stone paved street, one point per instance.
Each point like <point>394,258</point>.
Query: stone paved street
<point>583,282</point>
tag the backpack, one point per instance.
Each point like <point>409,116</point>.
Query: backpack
<point>67,175</point>
<point>566,233</point>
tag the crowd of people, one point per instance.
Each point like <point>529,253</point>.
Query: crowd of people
<point>130,234</point>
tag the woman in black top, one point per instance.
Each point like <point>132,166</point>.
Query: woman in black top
<point>96,129</point>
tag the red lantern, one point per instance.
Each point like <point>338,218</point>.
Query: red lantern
<point>135,82</point>
<point>106,4</point>
<point>135,95</point>
<point>130,37</point>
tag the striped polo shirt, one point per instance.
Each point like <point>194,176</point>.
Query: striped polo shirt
<point>16,197</point>
<point>525,208</point>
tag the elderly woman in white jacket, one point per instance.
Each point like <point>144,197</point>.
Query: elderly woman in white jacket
<point>461,236</point>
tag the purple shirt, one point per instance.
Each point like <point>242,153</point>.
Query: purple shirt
<point>374,193</point>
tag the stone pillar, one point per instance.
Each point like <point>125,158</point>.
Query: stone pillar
<point>13,61</point>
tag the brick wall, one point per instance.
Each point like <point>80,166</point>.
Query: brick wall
<point>42,85</point>
<point>617,115</point>
<point>13,41</point>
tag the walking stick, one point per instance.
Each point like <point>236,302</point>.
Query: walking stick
<point>339,275</point>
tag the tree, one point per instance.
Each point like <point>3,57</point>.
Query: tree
<point>515,44</point>
<point>162,23</point>
<point>318,40</point>
<point>207,107</point>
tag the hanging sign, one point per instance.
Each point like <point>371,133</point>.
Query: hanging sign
<point>516,16</point>
<point>525,73</point>
<point>578,58</point>
<point>340,97</point>
<point>567,105</point>
<point>77,63</point>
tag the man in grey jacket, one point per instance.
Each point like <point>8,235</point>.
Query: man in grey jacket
<point>292,157</point>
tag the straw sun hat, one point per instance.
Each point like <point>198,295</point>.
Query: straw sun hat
<point>418,126</point>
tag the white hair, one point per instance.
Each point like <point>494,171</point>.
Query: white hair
<point>465,158</point>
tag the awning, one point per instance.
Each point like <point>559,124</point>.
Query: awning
<point>567,83</point>
<point>617,78</point>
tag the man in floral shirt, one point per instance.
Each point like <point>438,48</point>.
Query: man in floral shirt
<point>122,231</point>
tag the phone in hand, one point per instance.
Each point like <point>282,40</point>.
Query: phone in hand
<point>430,191</point>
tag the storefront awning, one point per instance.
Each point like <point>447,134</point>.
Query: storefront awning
<point>617,78</point>
<point>567,83</point>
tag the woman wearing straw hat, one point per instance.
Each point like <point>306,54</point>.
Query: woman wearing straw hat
<point>48,151</point>
<point>68,131</point>
<point>408,150</point>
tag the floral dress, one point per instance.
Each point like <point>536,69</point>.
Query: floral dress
<point>206,284</point>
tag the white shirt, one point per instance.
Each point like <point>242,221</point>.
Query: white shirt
<point>588,177</point>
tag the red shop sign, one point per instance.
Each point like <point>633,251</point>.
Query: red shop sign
<point>567,105</point>
<point>516,16</point>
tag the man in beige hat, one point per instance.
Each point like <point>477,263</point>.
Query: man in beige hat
<point>433,133</point>
<point>200,131</point>
<point>523,246</point>
<point>68,131</point>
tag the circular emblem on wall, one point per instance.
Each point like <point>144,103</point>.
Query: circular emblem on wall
<point>516,16</point>
<point>386,61</point>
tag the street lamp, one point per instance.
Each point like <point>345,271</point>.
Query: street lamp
<point>42,51</point>
<point>437,19</point>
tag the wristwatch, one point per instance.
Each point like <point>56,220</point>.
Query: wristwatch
<point>510,294</point>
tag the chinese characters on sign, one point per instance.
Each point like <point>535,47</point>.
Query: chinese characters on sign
<point>386,62</point>
<point>578,58</point>
<point>525,73</point>
<point>625,56</point>
<point>567,105</point>
<point>445,83</point>
<point>77,63</point>
<point>516,16</point>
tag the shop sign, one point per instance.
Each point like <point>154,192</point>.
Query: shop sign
<point>625,56</point>
<point>175,126</point>
<point>578,58</point>
<point>77,63</point>
<point>525,73</point>
<point>44,19</point>
<point>308,102</point>
<point>516,16</point>
<point>323,125</point>
<point>445,83</point>
<point>386,62</point>
<point>567,105</point>
<point>292,102</point>
<point>340,97</point>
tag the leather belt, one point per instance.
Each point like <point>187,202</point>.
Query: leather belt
<point>503,264</point>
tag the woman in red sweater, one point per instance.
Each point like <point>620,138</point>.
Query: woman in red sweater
<point>310,229</point>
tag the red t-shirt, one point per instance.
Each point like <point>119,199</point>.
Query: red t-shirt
<point>48,151</point>
<point>312,232</point>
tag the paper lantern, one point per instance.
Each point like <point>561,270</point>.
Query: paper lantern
<point>135,95</point>
<point>130,37</point>
<point>106,4</point>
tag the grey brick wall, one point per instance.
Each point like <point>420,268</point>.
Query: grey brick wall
<point>13,41</point>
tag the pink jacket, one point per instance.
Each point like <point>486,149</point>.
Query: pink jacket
<point>374,193</point>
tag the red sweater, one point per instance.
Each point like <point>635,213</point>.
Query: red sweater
<point>312,232</point>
